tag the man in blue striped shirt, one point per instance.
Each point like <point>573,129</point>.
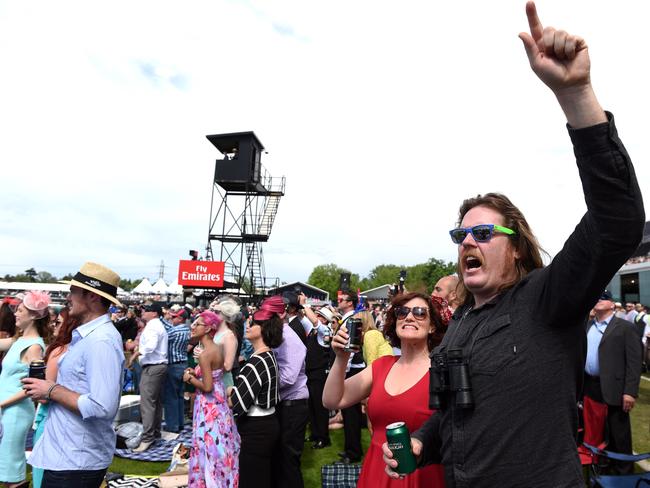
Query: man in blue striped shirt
<point>178,334</point>
<point>79,441</point>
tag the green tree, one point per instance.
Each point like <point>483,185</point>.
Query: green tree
<point>383,274</point>
<point>127,285</point>
<point>328,277</point>
<point>45,277</point>
<point>422,277</point>
<point>31,272</point>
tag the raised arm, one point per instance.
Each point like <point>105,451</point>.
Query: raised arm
<point>561,61</point>
<point>339,392</point>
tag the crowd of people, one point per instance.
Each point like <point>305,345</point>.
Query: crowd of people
<point>463,368</point>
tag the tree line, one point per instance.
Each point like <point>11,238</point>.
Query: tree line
<point>419,277</point>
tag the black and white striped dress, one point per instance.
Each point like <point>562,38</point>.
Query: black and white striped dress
<point>256,385</point>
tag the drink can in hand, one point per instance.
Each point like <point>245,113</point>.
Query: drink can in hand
<point>37,369</point>
<point>399,442</point>
<point>354,333</point>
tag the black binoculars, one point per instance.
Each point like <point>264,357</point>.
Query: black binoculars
<point>449,374</point>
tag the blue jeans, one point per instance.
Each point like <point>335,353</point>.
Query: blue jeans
<point>78,479</point>
<point>136,369</point>
<point>173,401</point>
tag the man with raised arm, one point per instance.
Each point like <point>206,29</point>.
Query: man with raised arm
<point>515,350</point>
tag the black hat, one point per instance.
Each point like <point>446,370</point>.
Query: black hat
<point>153,307</point>
<point>291,298</point>
<point>606,296</point>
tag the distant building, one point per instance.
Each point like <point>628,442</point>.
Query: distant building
<point>380,293</point>
<point>313,294</point>
<point>632,282</point>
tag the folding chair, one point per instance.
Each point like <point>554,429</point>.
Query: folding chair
<point>594,417</point>
<point>597,479</point>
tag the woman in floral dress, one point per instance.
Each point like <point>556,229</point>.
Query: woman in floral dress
<point>214,456</point>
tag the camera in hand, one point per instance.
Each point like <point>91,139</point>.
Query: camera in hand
<point>37,369</point>
<point>449,380</point>
<point>354,333</point>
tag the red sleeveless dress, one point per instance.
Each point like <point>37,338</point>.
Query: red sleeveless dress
<point>411,407</point>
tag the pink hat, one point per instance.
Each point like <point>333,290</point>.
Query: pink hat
<point>37,302</point>
<point>270,306</point>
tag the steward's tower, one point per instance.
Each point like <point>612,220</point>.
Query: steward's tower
<point>244,203</point>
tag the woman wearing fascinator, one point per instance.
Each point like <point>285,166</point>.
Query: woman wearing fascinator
<point>32,320</point>
<point>255,395</point>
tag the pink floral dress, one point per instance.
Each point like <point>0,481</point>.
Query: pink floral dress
<point>214,457</point>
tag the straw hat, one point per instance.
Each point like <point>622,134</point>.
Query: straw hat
<point>326,313</point>
<point>98,279</point>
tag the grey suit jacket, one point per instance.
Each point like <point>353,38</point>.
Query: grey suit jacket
<point>619,358</point>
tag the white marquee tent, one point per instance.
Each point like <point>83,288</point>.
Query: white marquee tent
<point>143,288</point>
<point>160,287</point>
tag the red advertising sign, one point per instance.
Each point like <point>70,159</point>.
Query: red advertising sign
<point>201,274</point>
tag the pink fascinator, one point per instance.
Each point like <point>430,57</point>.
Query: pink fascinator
<point>210,319</point>
<point>37,302</point>
<point>270,306</point>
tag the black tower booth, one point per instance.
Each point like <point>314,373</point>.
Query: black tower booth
<point>245,200</point>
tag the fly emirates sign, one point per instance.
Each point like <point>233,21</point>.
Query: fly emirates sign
<point>201,274</point>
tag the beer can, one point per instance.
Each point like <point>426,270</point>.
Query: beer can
<point>354,333</point>
<point>327,338</point>
<point>37,369</point>
<point>399,442</point>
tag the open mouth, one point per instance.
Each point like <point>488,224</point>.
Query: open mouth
<point>472,262</point>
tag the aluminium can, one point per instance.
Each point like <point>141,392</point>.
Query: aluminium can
<point>354,333</point>
<point>37,369</point>
<point>399,442</point>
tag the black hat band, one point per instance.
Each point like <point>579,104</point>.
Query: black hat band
<point>96,284</point>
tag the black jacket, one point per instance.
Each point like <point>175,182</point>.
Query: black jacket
<point>619,361</point>
<point>526,349</point>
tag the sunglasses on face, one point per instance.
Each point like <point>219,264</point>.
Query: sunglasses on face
<point>481,232</point>
<point>420,313</point>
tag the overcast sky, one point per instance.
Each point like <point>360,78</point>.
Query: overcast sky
<point>383,116</point>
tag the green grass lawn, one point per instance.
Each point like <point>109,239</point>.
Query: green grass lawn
<point>641,417</point>
<point>312,460</point>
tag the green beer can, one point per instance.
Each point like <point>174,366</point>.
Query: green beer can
<point>399,442</point>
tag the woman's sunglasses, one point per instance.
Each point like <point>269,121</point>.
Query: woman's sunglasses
<point>420,313</point>
<point>481,232</point>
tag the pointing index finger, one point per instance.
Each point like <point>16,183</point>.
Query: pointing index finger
<point>536,28</point>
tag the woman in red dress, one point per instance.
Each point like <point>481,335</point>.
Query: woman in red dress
<point>397,387</point>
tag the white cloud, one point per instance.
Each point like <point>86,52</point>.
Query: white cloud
<point>383,117</point>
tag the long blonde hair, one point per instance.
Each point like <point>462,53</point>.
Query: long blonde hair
<point>367,322</point>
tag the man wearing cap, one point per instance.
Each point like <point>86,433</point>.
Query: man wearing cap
<point>178,336</point>
<point>78,441</point>
<point>613,373</point>
<point>153,359</point>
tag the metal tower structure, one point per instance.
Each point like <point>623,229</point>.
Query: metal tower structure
<point>245,199</point>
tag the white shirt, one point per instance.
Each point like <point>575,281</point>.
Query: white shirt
<point>153,343</point>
